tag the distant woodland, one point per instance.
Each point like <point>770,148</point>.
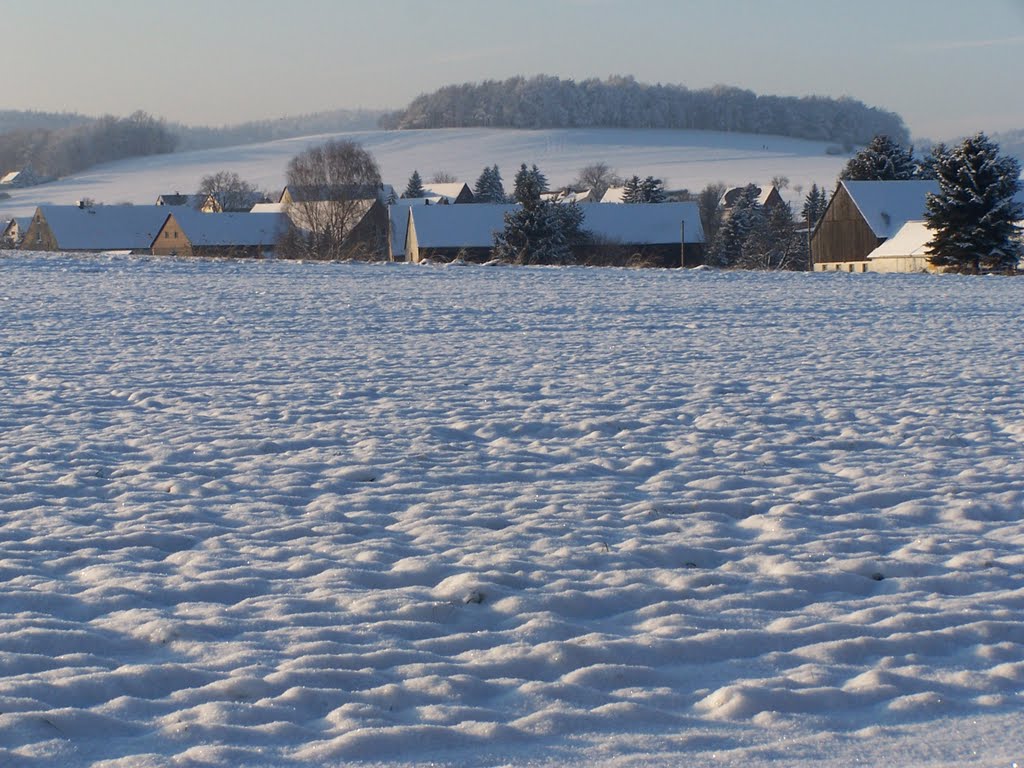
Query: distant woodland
<point>622,102</point>
<point>60,144</point>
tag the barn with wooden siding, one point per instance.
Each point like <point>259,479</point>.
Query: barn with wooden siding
<point>861,216</point>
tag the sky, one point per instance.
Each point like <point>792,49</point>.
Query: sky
<point>949,67</point>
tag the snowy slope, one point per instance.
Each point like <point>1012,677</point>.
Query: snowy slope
<point>267,513</point>
<point>685,159</point>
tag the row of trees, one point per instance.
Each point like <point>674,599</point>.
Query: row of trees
<point>63,151</point>
<point>622,102</point>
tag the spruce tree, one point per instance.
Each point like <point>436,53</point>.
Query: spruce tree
<point>814,205</point>
<point>488,187</point>
<point>881,160</point>
<point>633,190</point>
<point>529,184</point>
<point>974,217</point>
<point>746,216</point>
<point>538,231</point>
<point>414,188</point>
<point>652,190</point>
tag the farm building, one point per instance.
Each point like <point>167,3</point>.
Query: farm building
<point>906,251</point>
<point>861,216</point>
<point>187,232</point>
<point>128,228</point>
<point>662,234</point>
<point>14,231</point>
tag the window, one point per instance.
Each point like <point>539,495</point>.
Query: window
<point>167,235</point>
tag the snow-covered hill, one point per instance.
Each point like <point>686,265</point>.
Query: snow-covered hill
<point>685,159</point>
<point>284,514</point>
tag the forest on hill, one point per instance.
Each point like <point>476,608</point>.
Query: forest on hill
<point>622,102</point>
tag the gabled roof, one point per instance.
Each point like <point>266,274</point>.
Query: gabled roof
<point>230,229</point>
<point>398,219</point>
<point>473,226</point>
<point>910,240</point>
<point>888,205</point>
<point>323,193</point>
<point>644,223</point>
<point>10,178</point>
<point>176,199</point>
<point>450,191</point>
<point>458,226</point>
<point>104,227</point>
<point>613,195</point>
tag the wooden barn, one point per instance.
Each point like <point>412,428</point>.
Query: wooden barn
<point>861,216</point>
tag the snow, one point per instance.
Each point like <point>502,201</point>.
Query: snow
<point>105,227</point>
<point>272,513</point>
<point>888,205</point>
<point>233,229</point>
<point>683,159</point>
<point>910,240</point>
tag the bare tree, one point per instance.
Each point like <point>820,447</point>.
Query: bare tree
<point>226,191</point>
<point>597,177</point>
<point>442,177</point>
<point>333,198</point>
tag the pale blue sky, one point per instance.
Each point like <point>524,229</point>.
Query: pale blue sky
<point>948,66</point>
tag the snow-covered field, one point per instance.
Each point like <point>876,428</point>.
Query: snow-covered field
<point>685,159</point>
<point>267,513</point>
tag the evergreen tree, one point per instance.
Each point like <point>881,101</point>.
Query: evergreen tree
<point>652,190</point>
<point>538,231</point>
<point>632,191</point>
<point>815,204</point>
<point>774,242</point>
<point>489,187</point>
<point>529,184</point>
<point>414,189</point>
<point>881,160</point>
<point>747,215</point>
<point>927,167</point>
<point>974,217</point>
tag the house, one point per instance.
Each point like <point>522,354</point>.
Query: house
<point>398,225</point>
<point>446,232</point>
<point>449,193</point>
<point>661,234</point>
<point>24,177</point>
<point>613,195</point>
<point>569,196</point>
<point>176,199</point>
<point>359,211</point>
<point>127,228</point>
<point>222,204</point>
<point>14,231</point>
<point>643,234</point>
<point>187,232</point>
<point>861,216</point>
<point>767,197</point>
<point>906,251</point>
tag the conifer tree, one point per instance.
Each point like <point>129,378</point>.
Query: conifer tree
<point>489,187</point>
<point>529,184</point>
<point>652,190</point>
<point>974,217</point>
<point>538,231</point>
<point>414,189</point>
<point>881,160</point>
<point>746,215</point>
<point>814,206</point>
<point>632,191</point>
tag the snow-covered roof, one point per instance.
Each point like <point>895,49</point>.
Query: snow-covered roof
<point>473,226</point>
<point>104,227</point>
<point>230,229</point>
<point>730,195</point>
<point>644,223</point>
<point>910,240</point>
<point>458,226</point>
<point>888,205</point>
<point>398,218</point>
<point>448,190</point>
<point>267,208</point>
<point>10,178</point>
<point>176,199</point>
<point>613,195</point>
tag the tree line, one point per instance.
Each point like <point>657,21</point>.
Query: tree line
<point>621,102</point>
<point>55,152</point>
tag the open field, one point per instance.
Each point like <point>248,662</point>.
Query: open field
<point>684,159</point>
<point>270,513</point>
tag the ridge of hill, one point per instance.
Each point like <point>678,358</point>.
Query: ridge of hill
<point>622,102</point>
